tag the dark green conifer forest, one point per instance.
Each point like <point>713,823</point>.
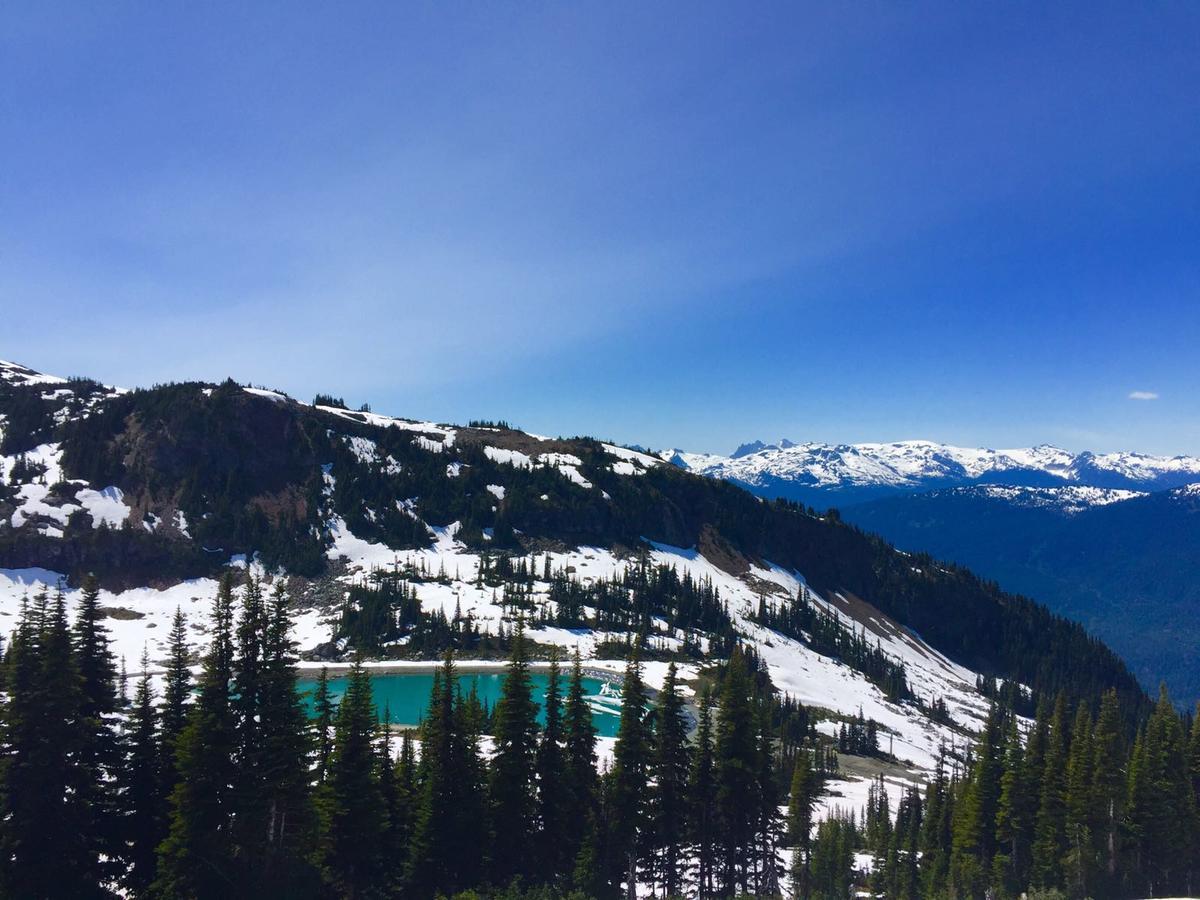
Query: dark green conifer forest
<point>225,788</point>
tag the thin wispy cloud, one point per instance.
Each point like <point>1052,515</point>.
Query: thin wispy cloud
<point>1143,395</point>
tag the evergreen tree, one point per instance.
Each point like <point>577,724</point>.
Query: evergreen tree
<point>975,815</point>
<point>176,692</point>
<point>286,821</point>
<point>142,797</point>
<point>669,769</point>
<point>99,759</point>
<point>1162,805</point>
<point>1050,836</point>
<point>801,800</point>
<point>354,860</point>
<point>1080,861</point>
<point>197,857</point>
<point>735,751</point>
<point>322,724</point>
<point>1108,785</point>
<point>1014,817</point>
<point>554,801</point>
<point>47,848</point>
<point>766,870</point>
<point>629,778</point>
<point>449,823</point>
<point>582,786</point>
<point>937,831</point>
<point>249,790</point>
<point>702,793</point>
<point>513,801</point>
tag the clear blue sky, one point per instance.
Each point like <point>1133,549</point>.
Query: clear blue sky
<point>669,223</point>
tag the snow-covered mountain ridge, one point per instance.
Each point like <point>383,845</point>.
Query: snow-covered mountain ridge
<point>862,471</point>
<point>161,491</point>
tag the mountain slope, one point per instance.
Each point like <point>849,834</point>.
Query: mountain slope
<point>159,491</point>
<point>1122,565</point>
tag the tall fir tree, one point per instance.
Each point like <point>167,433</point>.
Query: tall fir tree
<point>669,769</point>
<point>1108,786</point>
<point>354,861</point>
<point>1014,817</point>
<point>449,827</point>
<point>322,724</point>
<point>802,799</point>
<point>702,795</point>
<point>629,779</point>
<point>1079,862</point>
<point>553,785</point>
<point>99,758</point>
<point>286,821</point>
<point>975,817</point>
<point>47,849</point>
<point>1050,837</point>
<point>176,694</point>
<point>735,752</point>
<point>511,788</point>
<point>142,799</point>
<point>582,783</point>
<point>197,858</point>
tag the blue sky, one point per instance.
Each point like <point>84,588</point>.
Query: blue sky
<point>671,224</point>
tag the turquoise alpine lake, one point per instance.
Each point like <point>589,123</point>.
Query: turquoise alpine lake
<point>405,695</point>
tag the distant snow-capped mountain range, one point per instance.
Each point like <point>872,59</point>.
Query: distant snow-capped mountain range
<point>819,473</point>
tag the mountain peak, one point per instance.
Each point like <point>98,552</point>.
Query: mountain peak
<point>15,373</point>
<point>749,449</point>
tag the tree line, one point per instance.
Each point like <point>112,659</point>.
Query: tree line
<point>226,787</point>
<point>1069,806</point>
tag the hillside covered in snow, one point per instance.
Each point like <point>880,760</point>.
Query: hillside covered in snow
<point>402,539</point>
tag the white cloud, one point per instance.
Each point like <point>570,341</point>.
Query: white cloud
<point>1143,395</point>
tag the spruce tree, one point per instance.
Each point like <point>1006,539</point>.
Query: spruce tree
<point>629,779</point>
<point>582,784</point>
<point>1050,837</point>
<point>1108,785</point>
<point>1014,817</point>
<point>975,816</point>
<point>176,693</point>
<point>197,857</point>
<point>801,800</point>
<point>669,769</point>
<point>322,724</point>
<point>767,796</point>
<point>937,831</point>
<point>44,835</point>
<point>354,860</point>
<point>1080,862</point>
<point>142,799</point>
<point>249,794</point>
<point>511,787</point>
<point>449,826</point>
<point>99,758</point>
<point>735,777</point>
<point>554,801</point>
<point>287,820</point>
<point>702,794</point>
